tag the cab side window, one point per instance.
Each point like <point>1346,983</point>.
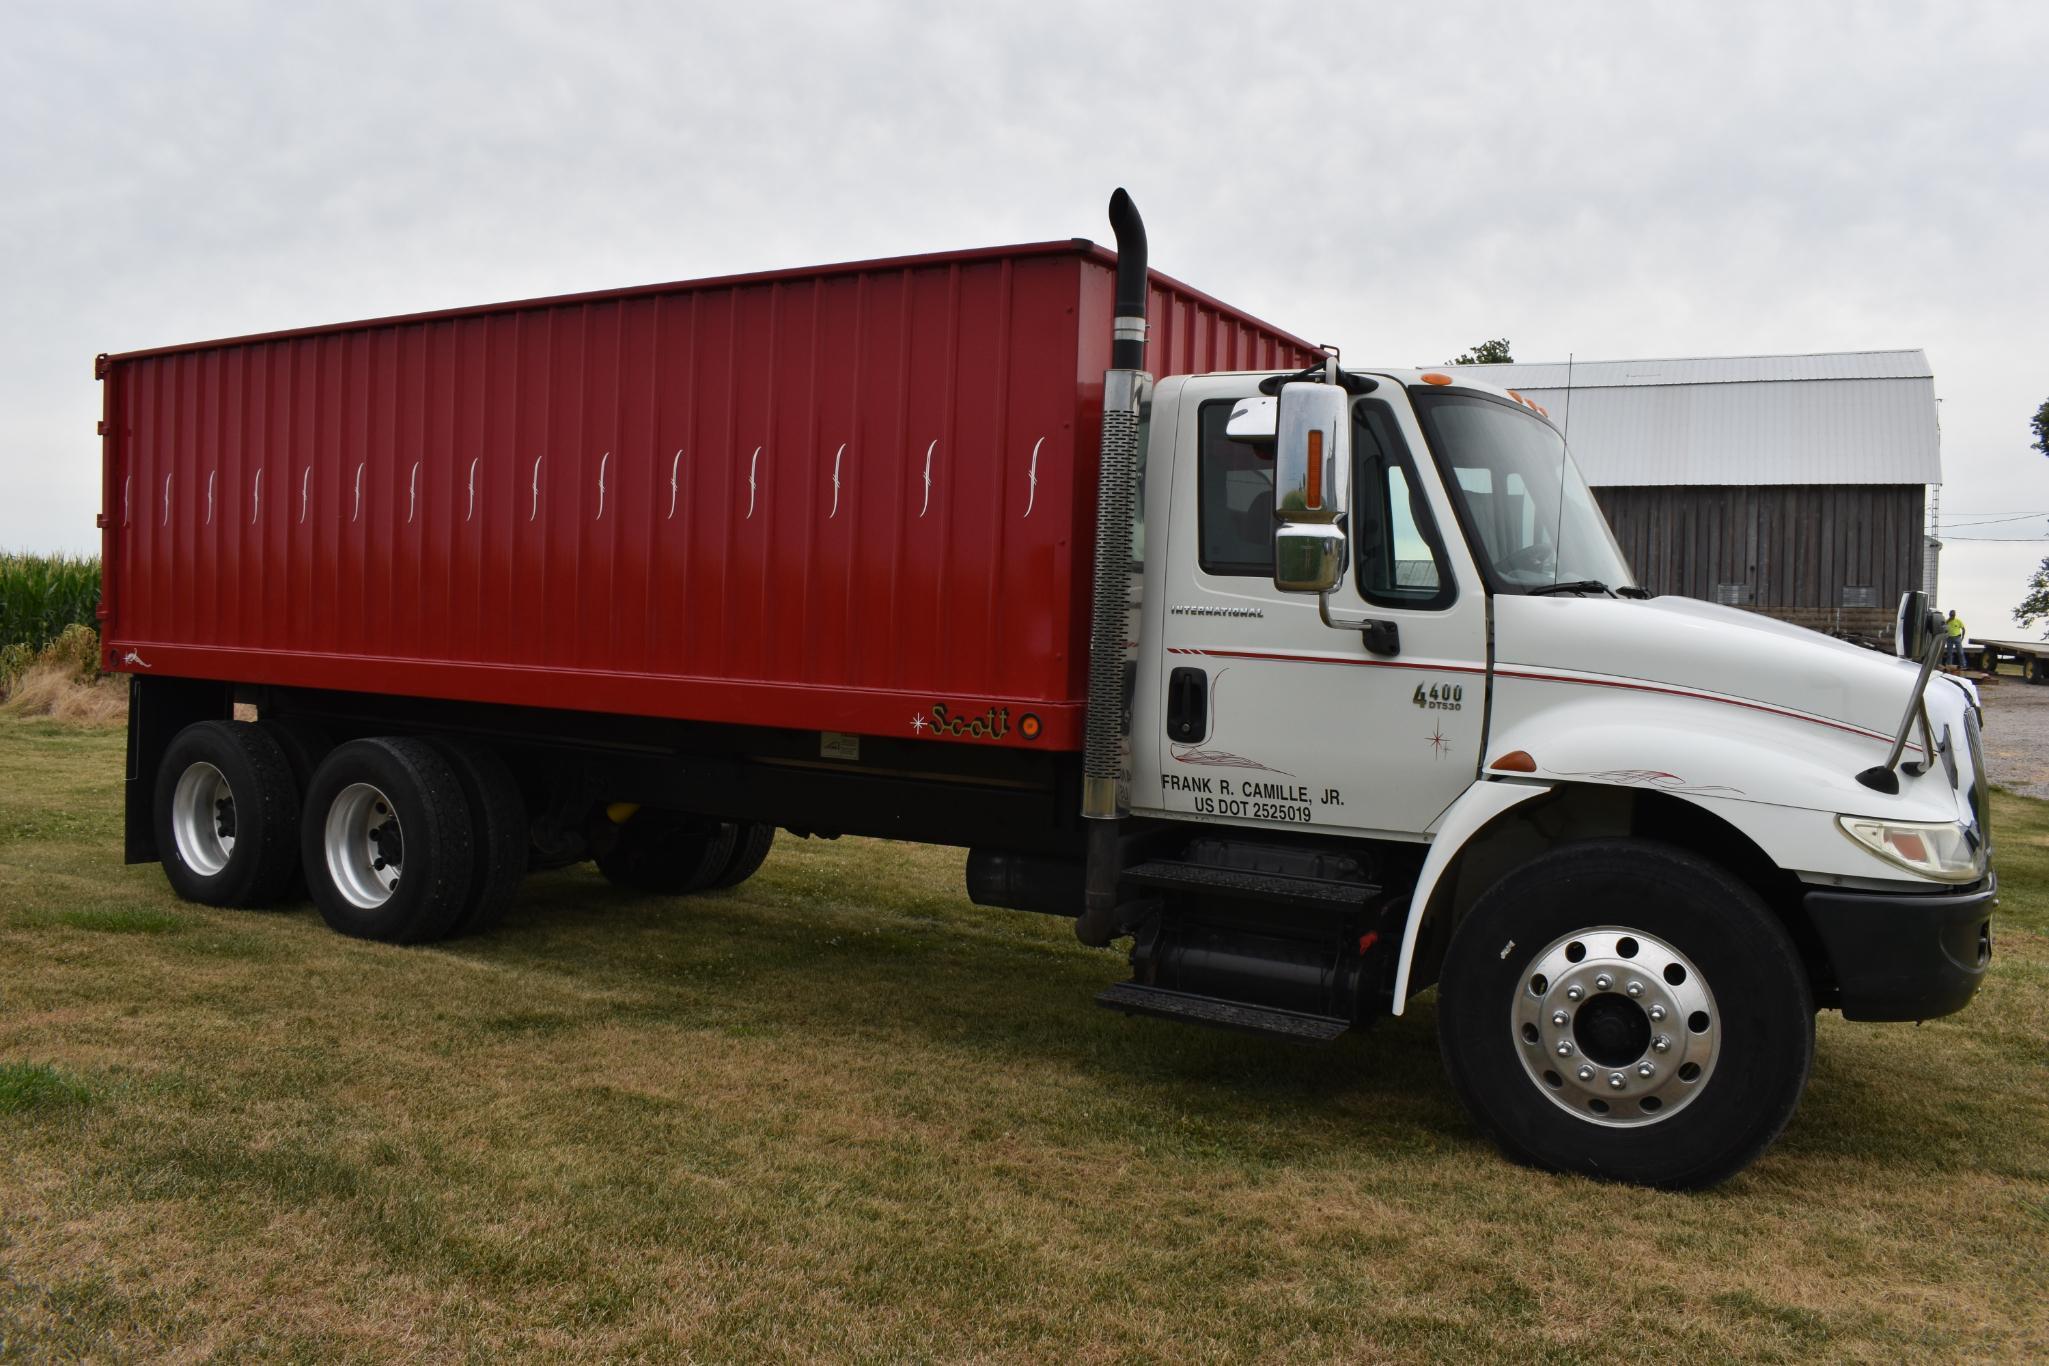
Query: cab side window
<point>1234,500</point>
<point>1395,544</point>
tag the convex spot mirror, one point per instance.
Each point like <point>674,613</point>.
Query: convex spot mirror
<point>1312,474</point>
<point>1253,420</point>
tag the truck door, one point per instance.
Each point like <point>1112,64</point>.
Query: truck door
<point>1264,714</point>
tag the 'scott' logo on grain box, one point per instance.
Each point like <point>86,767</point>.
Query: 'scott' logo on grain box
<point>992,724</point>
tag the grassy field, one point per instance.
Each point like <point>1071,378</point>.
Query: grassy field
<point>840,1113</point>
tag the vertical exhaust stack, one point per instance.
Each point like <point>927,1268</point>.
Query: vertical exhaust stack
<point>1104,797</point>
<point>1127,330</point>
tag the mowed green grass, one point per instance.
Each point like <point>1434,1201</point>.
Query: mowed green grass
<point>840,1113</point>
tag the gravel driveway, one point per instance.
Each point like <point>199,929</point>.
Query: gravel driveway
<point>2017,735</point>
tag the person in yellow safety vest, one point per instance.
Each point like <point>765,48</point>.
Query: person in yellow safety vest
<point>1953,648</point>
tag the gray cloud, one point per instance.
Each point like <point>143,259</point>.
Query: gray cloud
<point>1610,180</point>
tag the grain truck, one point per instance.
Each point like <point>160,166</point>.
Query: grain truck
<point>1314,686</point>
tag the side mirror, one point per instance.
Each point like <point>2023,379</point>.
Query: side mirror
<point>1309,557</point>
<point>1312,477</point>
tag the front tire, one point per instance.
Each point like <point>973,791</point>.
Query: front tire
<point>1629,1011</point>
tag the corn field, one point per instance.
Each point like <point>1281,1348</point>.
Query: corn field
<point>40,595</point>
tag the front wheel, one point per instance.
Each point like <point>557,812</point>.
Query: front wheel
<point>1629,1011</point>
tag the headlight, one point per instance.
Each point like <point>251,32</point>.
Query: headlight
<point>1950,852</point>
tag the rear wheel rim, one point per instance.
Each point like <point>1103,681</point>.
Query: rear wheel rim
<point>203,819</point>
<point>364,845</point>
<point>1615,1026</point>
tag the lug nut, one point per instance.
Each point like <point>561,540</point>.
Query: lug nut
<point>1575,992</point>
<point>1604,981</point>
<point>1657,1013</point>
<point>1560,1018</point>
<point>1646,1071</point>
<point>1585,1073</point>
<point>1617,1080</point>
<point>1662,1044</point>
<point>1634,988</point>
<point>1565,1048</point>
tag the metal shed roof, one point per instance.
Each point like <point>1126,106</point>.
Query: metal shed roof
<point>1860,417</point>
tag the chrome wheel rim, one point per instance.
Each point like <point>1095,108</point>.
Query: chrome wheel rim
<point>365,846</point>
<point>1616,1026</point>
<point>203,819</point>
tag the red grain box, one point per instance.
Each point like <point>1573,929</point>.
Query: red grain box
<point>827,499</point>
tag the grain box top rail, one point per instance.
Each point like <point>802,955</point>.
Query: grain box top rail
<point>1079,246</point>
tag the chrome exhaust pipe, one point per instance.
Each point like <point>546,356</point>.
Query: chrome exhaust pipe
<point>1105,796</point>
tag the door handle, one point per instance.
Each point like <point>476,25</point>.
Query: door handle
<point>1187,706</point>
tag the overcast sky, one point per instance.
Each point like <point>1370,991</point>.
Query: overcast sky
<point>1614,181</point>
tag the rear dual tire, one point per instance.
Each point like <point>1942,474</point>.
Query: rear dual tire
<point>388,843</point>
<point>751,842</point>
<point>671,853</point>
<point>227,815</point>
<point>664,852</point>
<point>500,833</point>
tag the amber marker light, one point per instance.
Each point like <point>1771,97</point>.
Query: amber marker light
<point>1515,761</point>
<point>1029,726</point>
<point>1312,493</point>
<point>1434,378</point>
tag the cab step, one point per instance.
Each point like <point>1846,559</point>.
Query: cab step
<point>1134,998</point>
<point>1168,876</point>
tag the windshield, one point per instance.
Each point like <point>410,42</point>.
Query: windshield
<point>1532,520</point>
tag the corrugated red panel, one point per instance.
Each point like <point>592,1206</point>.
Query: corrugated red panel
<point>856,498</point>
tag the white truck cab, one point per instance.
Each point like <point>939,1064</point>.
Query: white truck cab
<point>1386,639</point>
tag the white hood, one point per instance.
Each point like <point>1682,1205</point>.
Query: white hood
<point>1686,643</point>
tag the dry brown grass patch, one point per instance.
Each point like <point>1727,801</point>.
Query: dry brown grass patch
<point>54,691</point>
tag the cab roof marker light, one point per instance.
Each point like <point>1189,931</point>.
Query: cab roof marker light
<point>1435,378</point>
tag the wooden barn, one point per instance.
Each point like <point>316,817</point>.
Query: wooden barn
<point>1797,486</point>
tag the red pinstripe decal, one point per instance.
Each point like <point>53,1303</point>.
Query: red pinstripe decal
<point>1348,663</point>
<point>1535,677</point>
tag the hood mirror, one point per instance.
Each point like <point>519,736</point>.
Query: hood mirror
<point>1915,628</point>
<point>1912,624</point>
